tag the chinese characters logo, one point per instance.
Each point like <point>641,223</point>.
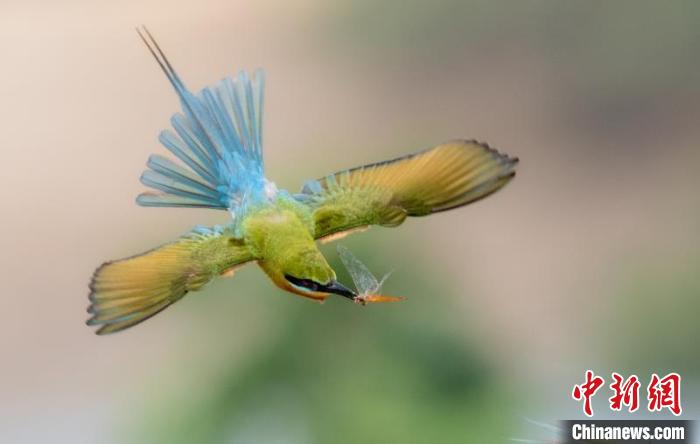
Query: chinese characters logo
<point>662,393</point>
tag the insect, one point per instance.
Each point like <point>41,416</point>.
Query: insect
<point>217,142</point>
<point>366,284</point>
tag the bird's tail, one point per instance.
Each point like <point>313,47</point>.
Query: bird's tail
<point>126,292</point>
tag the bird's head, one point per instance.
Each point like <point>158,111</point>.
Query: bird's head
<point>306,272</point>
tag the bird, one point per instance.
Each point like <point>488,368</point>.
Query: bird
<point>216,141</point>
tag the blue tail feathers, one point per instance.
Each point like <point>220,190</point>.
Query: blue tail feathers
<point>218,138</point>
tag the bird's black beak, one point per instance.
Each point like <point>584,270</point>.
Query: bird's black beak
<point>336,287</point>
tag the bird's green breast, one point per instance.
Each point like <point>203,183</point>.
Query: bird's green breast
<point>281,237</point>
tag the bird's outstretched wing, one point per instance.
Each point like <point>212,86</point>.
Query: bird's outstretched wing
<point>128,291</point>
<point>438,179</point>
<point>218,138</point>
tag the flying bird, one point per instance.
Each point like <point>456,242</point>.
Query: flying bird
<point>217,139</point>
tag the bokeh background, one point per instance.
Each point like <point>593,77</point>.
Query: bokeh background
<point>589,259</point>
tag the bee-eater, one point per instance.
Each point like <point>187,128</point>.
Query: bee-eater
<point>218,139</point>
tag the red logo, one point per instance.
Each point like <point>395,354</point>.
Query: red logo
<point>662,393</point>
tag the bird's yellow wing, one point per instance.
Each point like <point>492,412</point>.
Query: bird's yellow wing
<point>438,179</point>
<point>128,291</point>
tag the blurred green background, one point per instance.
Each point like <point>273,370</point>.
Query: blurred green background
<point>589,259</point>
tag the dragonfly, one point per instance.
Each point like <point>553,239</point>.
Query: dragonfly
<point>366,283</point>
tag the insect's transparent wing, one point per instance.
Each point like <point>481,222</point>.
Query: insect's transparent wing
<point>364,280</point>
<point>381,282</point>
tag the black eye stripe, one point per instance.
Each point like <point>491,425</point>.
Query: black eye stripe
<point>305,283</point>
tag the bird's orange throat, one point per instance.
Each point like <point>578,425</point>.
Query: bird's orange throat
<point>282,283</point>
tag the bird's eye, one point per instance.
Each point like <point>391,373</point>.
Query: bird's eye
<point>304,283</point>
